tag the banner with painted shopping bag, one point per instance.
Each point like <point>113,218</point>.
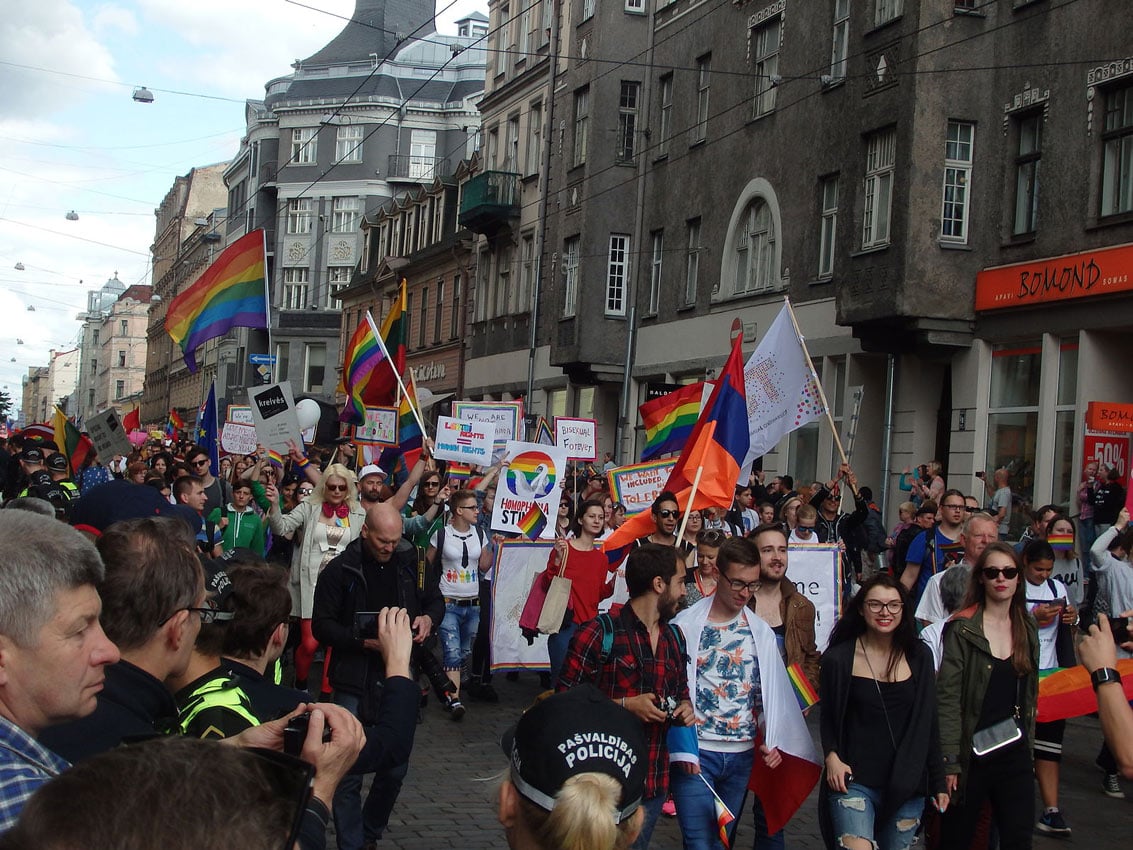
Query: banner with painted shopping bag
<point>637,485</point>
<point>531,480</point>
<point>517,564</point>
<point>814,570</point>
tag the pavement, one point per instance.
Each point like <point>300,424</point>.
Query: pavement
<point>448,800</point>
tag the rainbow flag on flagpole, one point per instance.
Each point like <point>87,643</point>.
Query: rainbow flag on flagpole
<point>230,293</point>
<point>533,522</point>
<point>363,355</point>
<point>804,690</point>
<point>409,437</point>
<point>724,816</point>
<point>669,420</point>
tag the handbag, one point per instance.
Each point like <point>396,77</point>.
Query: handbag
<point>999,735</point>
<point>553,615</point>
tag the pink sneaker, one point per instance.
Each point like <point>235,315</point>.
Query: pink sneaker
<point>669,808</point>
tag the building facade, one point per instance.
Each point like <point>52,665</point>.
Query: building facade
<point>44,387</point>
<point>99,302</point>
<point>122,356</point>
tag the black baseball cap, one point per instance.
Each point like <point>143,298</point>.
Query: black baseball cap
<point>32,454</point>
<point>578,731</point>
<point>57,463</point>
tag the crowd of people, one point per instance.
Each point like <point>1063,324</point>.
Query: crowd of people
<point>143,641</point>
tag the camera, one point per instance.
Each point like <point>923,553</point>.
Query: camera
<point>295,733</point>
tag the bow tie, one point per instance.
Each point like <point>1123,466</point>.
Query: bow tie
<point>330,510</point>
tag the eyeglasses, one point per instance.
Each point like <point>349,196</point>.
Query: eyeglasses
<point>875,606</point>
<point>971,510</point>
<point>667,514</point>
<point>750,586</point>
<point>996,572</point>
<point>336,488</point>
<point>209,614</point>
<point>305,491</point>
<point>711,537</point>
<point>464,508</point>
<point>960,507</point>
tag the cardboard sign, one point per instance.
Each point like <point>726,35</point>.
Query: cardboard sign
<point>517,564</point>
<point>238,439</point>
<point>816,573</point>
<point>273,410</point>
<point>506,416</point>
<point>465,442</point>
<point>637,485</point>
<point>380,427</point>
<point>533,477</point>
<point>240,414</point>
<point>108,435</point>
<point>578,436</point>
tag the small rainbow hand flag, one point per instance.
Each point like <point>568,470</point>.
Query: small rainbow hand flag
<point>724,816</point>
<point>533,522</point>
<point>1061,542</point>
<point>804,690</point>
<point>275,458</point>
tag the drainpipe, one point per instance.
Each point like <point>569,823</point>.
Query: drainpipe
<point>887,434</point>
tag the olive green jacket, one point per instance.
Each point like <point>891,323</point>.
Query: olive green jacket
<point>962,683</point>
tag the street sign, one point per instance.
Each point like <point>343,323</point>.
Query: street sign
<point>261,359</point>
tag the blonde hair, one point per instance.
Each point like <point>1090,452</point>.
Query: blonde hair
<point>336,470</point>
<point>584,817</point>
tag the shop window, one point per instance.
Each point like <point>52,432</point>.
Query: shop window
<point>1013,423</point>
<point>1065,474</point>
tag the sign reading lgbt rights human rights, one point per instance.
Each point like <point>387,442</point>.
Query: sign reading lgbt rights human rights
<point>464,442</point>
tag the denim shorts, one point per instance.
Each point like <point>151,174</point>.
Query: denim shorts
<point>854,814</point>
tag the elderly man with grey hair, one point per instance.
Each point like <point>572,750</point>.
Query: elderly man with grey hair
<point>953,591</point>
<point>52,649</point>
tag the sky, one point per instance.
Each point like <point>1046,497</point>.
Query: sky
<point>72,137</point>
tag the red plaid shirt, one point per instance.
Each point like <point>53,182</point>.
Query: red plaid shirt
<point>631,668</point>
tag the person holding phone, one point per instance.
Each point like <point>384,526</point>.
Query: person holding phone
<point>1048,602</point>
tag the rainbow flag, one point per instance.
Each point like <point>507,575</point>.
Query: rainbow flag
<point>381,388</point>
<point>1061,542</point>
<point>363,354</point>
<point>275,458</point>
<point>1066,692</point>
<point>533,522</point>
<point>174,425</point>
<point>669,420</point>
<point>543,434</point>
<point>724,816</point>
<point>804,690</point>
<point>232,292</point>
<point>409,437</point>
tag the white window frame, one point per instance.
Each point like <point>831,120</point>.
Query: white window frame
<point>503,280</point>
<point>299,216</point>
<point>439,306</point>
<point>588,9</point>
<point>828,225</point>
<point>617,274</point>
<point>839,51</point>
<point>629,97</point>
<point>338,278</point>
<point>881,161</point>
<point>755,250</point>
<point>422,154</point>
<point>511,144</point>
<point>348,142</point>
<point>504,23</point>
<point>581,125</point>
<point>526,273</point>
<point>534,137</point>
<point>346,212</point>
<point>956,193</point>
<point>308,349</point>
<point>666,124</point>
<point>296,287</point>
<point>304,146</point>
<point>571,247</point>
<point>655,267</point>
<point>767,38</point>
<point>692,263</point>
<point>699,130</point>
<point>635,7</point>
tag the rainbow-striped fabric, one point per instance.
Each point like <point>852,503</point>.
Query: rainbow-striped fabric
<point>804,690</point>
<point>1061,542</point>
<point>230,293</point>
<point>363,354</point>
<point>533,522</point>
<point>669,420</point>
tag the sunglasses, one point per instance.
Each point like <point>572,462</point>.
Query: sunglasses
<point>201,462</point>
<point>804,528</point>
<point>305,491</point>
<point>996,572</point>
<point>431,484</point>
<point>336,488</point>
<point>667,514</point>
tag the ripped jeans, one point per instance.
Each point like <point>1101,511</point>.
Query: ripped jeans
<point>854,815</point>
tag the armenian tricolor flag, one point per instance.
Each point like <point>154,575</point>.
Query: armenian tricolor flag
<point>232,292</point>
<point>804,690</point>
<point>533,522</point>
<point>363,354</point>
<point>669,420</point>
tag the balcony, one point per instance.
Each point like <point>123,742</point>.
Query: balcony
<point>416,169</point>
<point>490,201</point>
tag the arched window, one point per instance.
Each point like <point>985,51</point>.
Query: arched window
<point>755,249</point>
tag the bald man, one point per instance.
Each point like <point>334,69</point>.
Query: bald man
<point>377,570</point>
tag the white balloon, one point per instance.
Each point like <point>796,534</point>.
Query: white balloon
<point>308,411</point>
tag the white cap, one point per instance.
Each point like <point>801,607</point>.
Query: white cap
<point>371,469</point>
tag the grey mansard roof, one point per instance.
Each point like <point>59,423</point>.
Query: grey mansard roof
<point>373,28</point>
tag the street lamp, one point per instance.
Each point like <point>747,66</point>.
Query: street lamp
<point>143,95</point>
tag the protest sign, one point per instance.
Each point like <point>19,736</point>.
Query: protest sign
<point>107,434</point>
<point>464,441</point>
<point>238,439</point>
<point>379,427</point>
<point>240,414</point>
<point>517,564</point>
<point>637,485</point>
<point>273,411</point>
<point>578,436</point>
<point>532,478</point>
<point>506,416</point>
<point>815,571</point>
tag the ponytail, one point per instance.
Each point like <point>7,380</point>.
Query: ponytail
<point>584,816</point>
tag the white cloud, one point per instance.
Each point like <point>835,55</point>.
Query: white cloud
<point>110,19</point>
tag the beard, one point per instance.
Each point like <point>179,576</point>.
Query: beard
<point>670,605</point>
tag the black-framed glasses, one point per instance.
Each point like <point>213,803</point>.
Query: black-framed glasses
<point>209,614</point>
<point>202,462</point>
<point>971,510</point>
<point>750,586</point>
<point>667,514</point>
<point>875,606</point>
<point>996,572</point>
<point>336,488</point>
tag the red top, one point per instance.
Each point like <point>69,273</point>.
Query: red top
<point>587,572</point>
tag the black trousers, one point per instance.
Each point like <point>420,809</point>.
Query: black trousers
<point>1005,779</point>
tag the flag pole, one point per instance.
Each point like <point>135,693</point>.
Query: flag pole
<point>397,377</point>
<point>818,384</point>
<point>267,308</point>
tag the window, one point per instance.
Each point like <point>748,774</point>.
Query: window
<point>828,227</point>
<point>1029,152</point>
<point>480,290</point>
<point>636,6</point>
<point>525,30</point>
<point>282,361</point>
<point>767,37</point>
<point>570,275</point>
<point>422,154</point>
<point>424,320</point>
<point>511,144</point>
<point>526,274</point>
<point>338,278</point>
<point>957,181</point>
<point>90,398</point>
<point>534,138</point>
<point>316,365</point>
<point>655,271</point>
<point>94,366</point>
<point>454,321</point>
<point>439,307</point>
<point>617,275</point>
<point>1013,421</point>
<point>581,121</point>
<point>344,215</point>
<point>408,316</point>
<point>299,216</point>
<point>1117,152</point>
<point>627,121</point>
<point>692,264</point>
<point>587,9</point>
<point>881,156</point>
<point>348,143</point>
<point>501,38</point>
<point>886,10</point>
<point>121,359</point>
<point>295,284</point>
<point>124,327</point>
<point>755,249</point>
<point>119,389</point>
<point>703,81</point>
<point>503,281</point>
<point>304,145</point>
<point>1065,467</point>
<point>840,49</point>
<point>94,336</point>
<point>666,94</point>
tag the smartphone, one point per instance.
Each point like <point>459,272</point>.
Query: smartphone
<point>1120,628</point>
<point>365,625</point>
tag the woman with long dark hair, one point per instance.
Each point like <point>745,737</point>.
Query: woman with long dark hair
<point>988,689</point>
<point>877,689</point>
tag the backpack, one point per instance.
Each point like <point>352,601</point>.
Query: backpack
<point>607,623</point>
<point>435,563</point>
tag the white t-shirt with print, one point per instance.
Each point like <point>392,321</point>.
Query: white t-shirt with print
<point>1048,634</point>
<point>459,580</point>
<point>727,686</point>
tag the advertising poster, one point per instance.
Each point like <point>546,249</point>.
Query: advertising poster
<point>578,436</point>
<point>517,564</point>
<point>464,441</point>
<point>636,486</point>
<point>527,494</point>
<point>816,573</point>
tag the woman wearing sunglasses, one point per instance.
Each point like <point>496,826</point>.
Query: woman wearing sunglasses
<point>326,521</point>
<point>880,734</point>
<point>988,688</point>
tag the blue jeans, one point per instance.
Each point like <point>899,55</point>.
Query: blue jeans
<point>854,814</point>
<point>652,807</point>
<point>763,841</point>
<point>354,822</point>
<point>727,773</point>
<point>557,645</point>
<point>458,632</point>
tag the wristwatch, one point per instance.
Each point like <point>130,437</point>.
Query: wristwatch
<point>1103,676</point>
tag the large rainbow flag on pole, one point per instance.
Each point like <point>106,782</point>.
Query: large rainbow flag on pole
<point>363,355</point>
<point>231,293</point>
<point>669,420</point>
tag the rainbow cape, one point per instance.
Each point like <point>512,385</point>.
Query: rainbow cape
<point>669,420</point>
<point>230,293</point>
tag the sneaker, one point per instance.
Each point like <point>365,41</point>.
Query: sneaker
<point>1111,786</point>
<point>455,708</point>
<point>1053,823</point>
<point>669,809</point>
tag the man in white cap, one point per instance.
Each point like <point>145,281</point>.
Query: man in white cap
<point>372,485</point>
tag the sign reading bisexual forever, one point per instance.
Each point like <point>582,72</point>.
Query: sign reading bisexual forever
<point>464,441</point>
<point>532,479</point>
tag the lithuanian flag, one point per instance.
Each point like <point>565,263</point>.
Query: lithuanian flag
<point>73,445</point>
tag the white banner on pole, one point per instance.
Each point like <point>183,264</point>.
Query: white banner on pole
<point>517,564</point>
<point>814,570</point>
